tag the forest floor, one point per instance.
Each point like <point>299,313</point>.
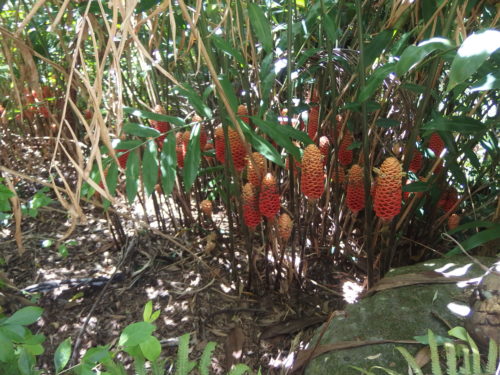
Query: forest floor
<point>187,278</point>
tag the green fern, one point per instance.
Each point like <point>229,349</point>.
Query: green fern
<point>410,360</point>
<point>466,367</point>
<point>436,367</point>
<point>240,369</point>
<point>451,358</point>
<point>206,358</point>
<point>492,357</point>
<point>183,364</point>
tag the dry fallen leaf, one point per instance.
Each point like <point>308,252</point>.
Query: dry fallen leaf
<point>234,346</point>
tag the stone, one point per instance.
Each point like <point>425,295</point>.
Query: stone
<point>397,314</point>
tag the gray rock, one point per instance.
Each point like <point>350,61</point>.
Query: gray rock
<point>396,314</point>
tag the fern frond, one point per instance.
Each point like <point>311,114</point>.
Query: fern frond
<point>240,369</point>
<point>390,372</point>
<point>492,357</point>
<point>436,367</point>
<point>183,364</point>
<point>466,367</point>
<point>363,371</point>
<point>410,360</point>
<point>476,357</point>
<point>206,358</point>
<point>451,358</point>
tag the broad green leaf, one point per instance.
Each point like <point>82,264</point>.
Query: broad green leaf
<point>151,348</point>
<point>15,332</point>
<point>62,355</point>
<point>260,26</point>
<point>112,178</point>
<point>472,224</point>
<point>26,316</point>
<point>145,5</point>
<point>461,124</point>
<point>330,28</point>
<point>456,171</point>
<point>373,82</point>
<point>261,145</point>
<point>476,240</point>
<point>192,160</point>
<point>459,332</point>
<point>413,55</point>
<point>128,144</point>
<point>36,349</point>
<point>227,48</point>
<point>132,172</point>
<point>136,333</point>
<point>7,351</point>
<point>273,130</point>
<point>387,122</point>
<point>418,186</point>
<point>376,46</point>
<point>25,362</point>
<point>296,134</point>
<point>228,90</point>
<point>140,130</point>
<point>168,163</point>
<point>148,309</point>
<point>489,82</point>
<point>195,100</point>
<point>474,51</point>
<point>154,116</point>
<point>150,167</point>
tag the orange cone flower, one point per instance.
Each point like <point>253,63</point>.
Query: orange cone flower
<point>161,126</point>
<point>338,177</point>
<point>269,198</point>
<point>436,144</point>
<point>388,195</point>
<point>416,161</point>
<point>251,214</point>
<point>355,189</point>
<point>312,178</point>
<point>220,148</point>
<point>180,149</point>
<point>345,155</point>
<point>453,221</point>
<point>285,225</point>
<point>448,199</point>
<point>206,207</point>
<point>242,112</point>
<point>324,147</point>
<point>185,138</point>
<point>253,175</point>
<point>238,151</point>
<point>313,123</point>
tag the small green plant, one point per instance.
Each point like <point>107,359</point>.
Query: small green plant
<point>39,200</point>
<point>462,358</point>
<point>5,208</point>
<point>18,346</point>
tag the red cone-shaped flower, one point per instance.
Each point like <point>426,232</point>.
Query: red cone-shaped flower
<point>251,214</point>
<point>180,149</point>
<point>345,155</point>
<point>161,126</point>
<point>416,161</point>
<point>355,189</point>
<point>285,225</point>
<point>388,193</point>
<point>269,198</point>
<point>312,178</point>
<point>313,123</point>
<point>238,151</point>
<point>253,175</point>
<point>220,148</point>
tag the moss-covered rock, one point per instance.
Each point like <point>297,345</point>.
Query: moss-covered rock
<point>396,314</point>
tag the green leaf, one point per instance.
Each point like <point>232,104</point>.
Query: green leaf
<point>132,176</point>
<point>192,160</point>
<point>261,145</point>
<point>228,90</point>
<point>261,26</point>
<point>150,167</point>
<point>145,5</point>
<point>458,332</point>
<point>26,316</point>
<point>136,333</point>
<point>62,355</point>
<point>206,358</point>
<point>491,81</point>
<point>473,224</point>
<point>461,124</point>
<point>195,100</point>
<point>376,46</point>
<point>273,130</point>
<point>387,122</point>
<point>148,309</point>
<point>140,130</point>
<point>7,346</point>
<point>128,144</point>
<point>183,364</point>
<point>330,28</point>
<point>226,47</point>
<point>472,54</point>
<point>154,116</point>
<point>477,239</point>
<point>296,134</point>
<point>26,362</point>
<point>151,348</point>
<point>36,349</point>
<point>168,163</point>
<point>240,369</point>
<point>418,186</point>
<point>413,55</point>
<point>373,82</point>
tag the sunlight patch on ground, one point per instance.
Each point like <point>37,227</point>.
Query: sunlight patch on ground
<point>458,309</point>
<point>351,291</point>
